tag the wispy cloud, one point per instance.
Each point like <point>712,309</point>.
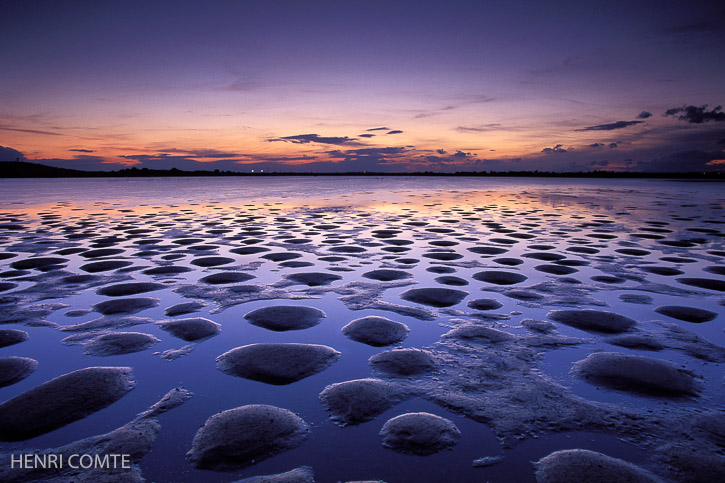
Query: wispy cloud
<point>30,131</point>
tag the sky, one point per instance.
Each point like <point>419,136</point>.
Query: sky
<point>377,86</point>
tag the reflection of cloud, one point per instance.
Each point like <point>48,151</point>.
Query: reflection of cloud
<point>316,138</point>
<point>611,126</point>
<point>697,115</point>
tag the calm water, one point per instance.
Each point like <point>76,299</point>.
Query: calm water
<point>310,216</point>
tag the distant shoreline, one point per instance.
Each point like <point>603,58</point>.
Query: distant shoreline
<point>23,169</point>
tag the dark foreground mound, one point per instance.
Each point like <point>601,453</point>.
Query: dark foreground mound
<point>636,374</point>
<point>117,343</point>
<point>62,400</point>
<point>435,297</point>
<point>240,437</point>
<point>403,362</point>
<point>376,331</point>
<point>191,329</point>
<point>419,434</point>
<point>354,402</point>
<point>277,364</point>
<point>285,317</point>
<point>688,314</point>
<point>14,369</point>
<point>581,465</point>
<point>593,320</point>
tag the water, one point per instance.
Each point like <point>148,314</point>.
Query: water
<point>226,213</point>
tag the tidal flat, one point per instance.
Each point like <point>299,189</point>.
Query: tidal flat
<point>394,329</point>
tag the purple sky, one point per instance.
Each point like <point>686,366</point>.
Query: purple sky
<point>370,86</point>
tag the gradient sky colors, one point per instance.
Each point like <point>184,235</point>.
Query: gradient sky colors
<point>364,86</point>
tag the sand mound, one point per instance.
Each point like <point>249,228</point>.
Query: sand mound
<point>419,434</point>
<point>277,364</point>
<point>281,318</point>
<point>191,329</point>
<point>636,374</point>
<point>580,465</point>
<point>237,438</point>
<point>62,400</point>
<point>376,331</point>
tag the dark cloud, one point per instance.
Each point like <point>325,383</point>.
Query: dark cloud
<point>30,131</point>
<point>611,126</point>
<point>599,163</point>
<point>686,161</point>
<point>10,154</point>
<point>366,135</point>
<point>395,131</point>
<point>644,115</point>
<point>82,150</point>
<point>316,138</point>
<point>721,141</point>
<point>441,151</point>
<point>697,115</point>
<point>378,129</point>
<point>612,145</point>
<point>559,148</point>
<point>597,145</point>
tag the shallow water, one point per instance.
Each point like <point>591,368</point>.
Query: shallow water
<point>151,221</point>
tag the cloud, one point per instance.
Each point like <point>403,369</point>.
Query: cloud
<point>316,138</point>
<point>559,148</point>
<point>597,145</point>
<point>481,128</point>
<point>395,131</point>
<point>378,129</point>
<point>612,145</point>
<point>82,150</point>
<point>644,115</point>
<point>366,135</point>
<point>30,131</point>
<point>10,154</point>
<point>201,153</point>
<point>599,163</point>
<point>82,162</point>
<point>697,115</point>
<point>611,126</point>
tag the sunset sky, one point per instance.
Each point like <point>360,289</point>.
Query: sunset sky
<point>365,85</point>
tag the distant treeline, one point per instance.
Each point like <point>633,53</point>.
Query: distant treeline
<point>22,169</point>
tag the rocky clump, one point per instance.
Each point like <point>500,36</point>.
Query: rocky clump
<point>485,304</point>
<point>636,374</point>
<point>281,318</point>
<point>376,331</point>
<point>593,320</point>
<point>223,278</point>
<point>313,279</point>
<point>360,400</point>
<point>579,465</point>
<point>62,400</point>
<point>191,329</point>
<point>125,306</point>
<point>237,438</point>
<point>419,434</point>
<point>277,364</point>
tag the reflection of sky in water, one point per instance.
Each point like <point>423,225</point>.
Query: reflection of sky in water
<point>560,215</point>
